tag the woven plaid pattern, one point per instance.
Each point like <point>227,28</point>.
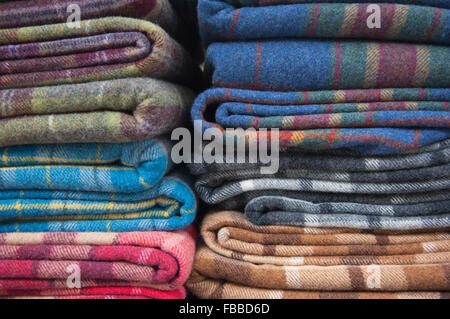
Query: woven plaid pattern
<point>255,3</point>
<point>331,124</point>
<point>101,49</point>
<point>92,187</point>
<point>270,210</point>
<point>121,110</point>
<point>327,65</point>
<point>221,21</point>
<point>312,259</point>
<point>15,14</point>
<point>395,192</point>
<point>108,262</point>
<point>96,293</point>
<point>23,13</point>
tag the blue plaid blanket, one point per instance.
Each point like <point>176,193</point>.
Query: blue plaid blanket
<point>93,187</point>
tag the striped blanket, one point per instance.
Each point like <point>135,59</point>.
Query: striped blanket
<point>92,187</point>
<point>222,20</point>
<point>240,260</point>
<point>96,265</point>
<point>372,121</point>
<point>100,49</point>
<point>121,110</point>
<point>262,65</point>
<point>23,13</point>
<point>406,191</point>
<point>256,3</point>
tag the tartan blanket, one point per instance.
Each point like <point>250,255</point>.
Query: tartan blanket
<point>372,121</point>
<point>262,65</point>
<point>93,187</point>
<point>133,264</point>
<point>15,14</point>
<point>256,3</point>
<point>100,49</point>
<point>120,110</point>
<point>238,258</point>
<point>386,192</point>
<point>222,20</point>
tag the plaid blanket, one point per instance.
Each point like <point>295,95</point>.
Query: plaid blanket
<point>134,264</point>
<point>262,65</point>
<point>238,258</point>
<point>23,13</point>
<point>391,192</point>
<point>221,20</point>
<point>96,293</point>
<point>92,187</point>
<point>101,49</point>
<point>105,111</point>
<point>255,3</point>
<point>374,121</point>
<point>278,210</point>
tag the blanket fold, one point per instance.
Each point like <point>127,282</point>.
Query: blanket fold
<point>36,264</point>
<point>238,258</point>
<point>100,49</point>
<point>121,110</point>
<point>377,121</point>
<point>220,20</point>
<point>404,191</point>
<point>93,187</point>
<point>326,65</point>
<point>14,14</point>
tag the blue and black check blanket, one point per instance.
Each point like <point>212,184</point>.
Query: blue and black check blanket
<point>93,187</point>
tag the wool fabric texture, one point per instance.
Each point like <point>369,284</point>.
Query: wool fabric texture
<point>100,49</point>
<point>406,191</point>
<point>222,21</point>
<point>256,3</point>
<point>373,121</point>
<point>35,264</point>
<point>93,187</point>
<point>285,262</point>
<point>23,13</point>
<point>326,65</point>
<point>121,110</point>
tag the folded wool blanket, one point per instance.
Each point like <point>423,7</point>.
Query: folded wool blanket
<point>385,192</point>
<point>92,187</point>
<point>121,110</point>
<point>256,3</point>
<point>96,293</point>
<point>134,264</point>
<point>238,257</point>
<point>100,49</point>
<point>374,121</point>
<point>221,20</point>
<point>23,13</point>
<point>290,65</point>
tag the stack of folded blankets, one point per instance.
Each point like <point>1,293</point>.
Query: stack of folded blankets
<point>90,203</point>
<point>359,207</point>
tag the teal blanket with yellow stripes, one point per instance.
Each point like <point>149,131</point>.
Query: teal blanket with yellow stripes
<point>93,187</point>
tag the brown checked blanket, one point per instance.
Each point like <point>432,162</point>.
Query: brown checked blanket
<point>240,260</point>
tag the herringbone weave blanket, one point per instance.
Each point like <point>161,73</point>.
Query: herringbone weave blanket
<point>108,264</point>
<point>100,49</point>
<point>238,259</point>
<point>262,65</point>
<point>121,110</point>
<point>222,20</point>
<point>376,121</point>
<point>92,187</point>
